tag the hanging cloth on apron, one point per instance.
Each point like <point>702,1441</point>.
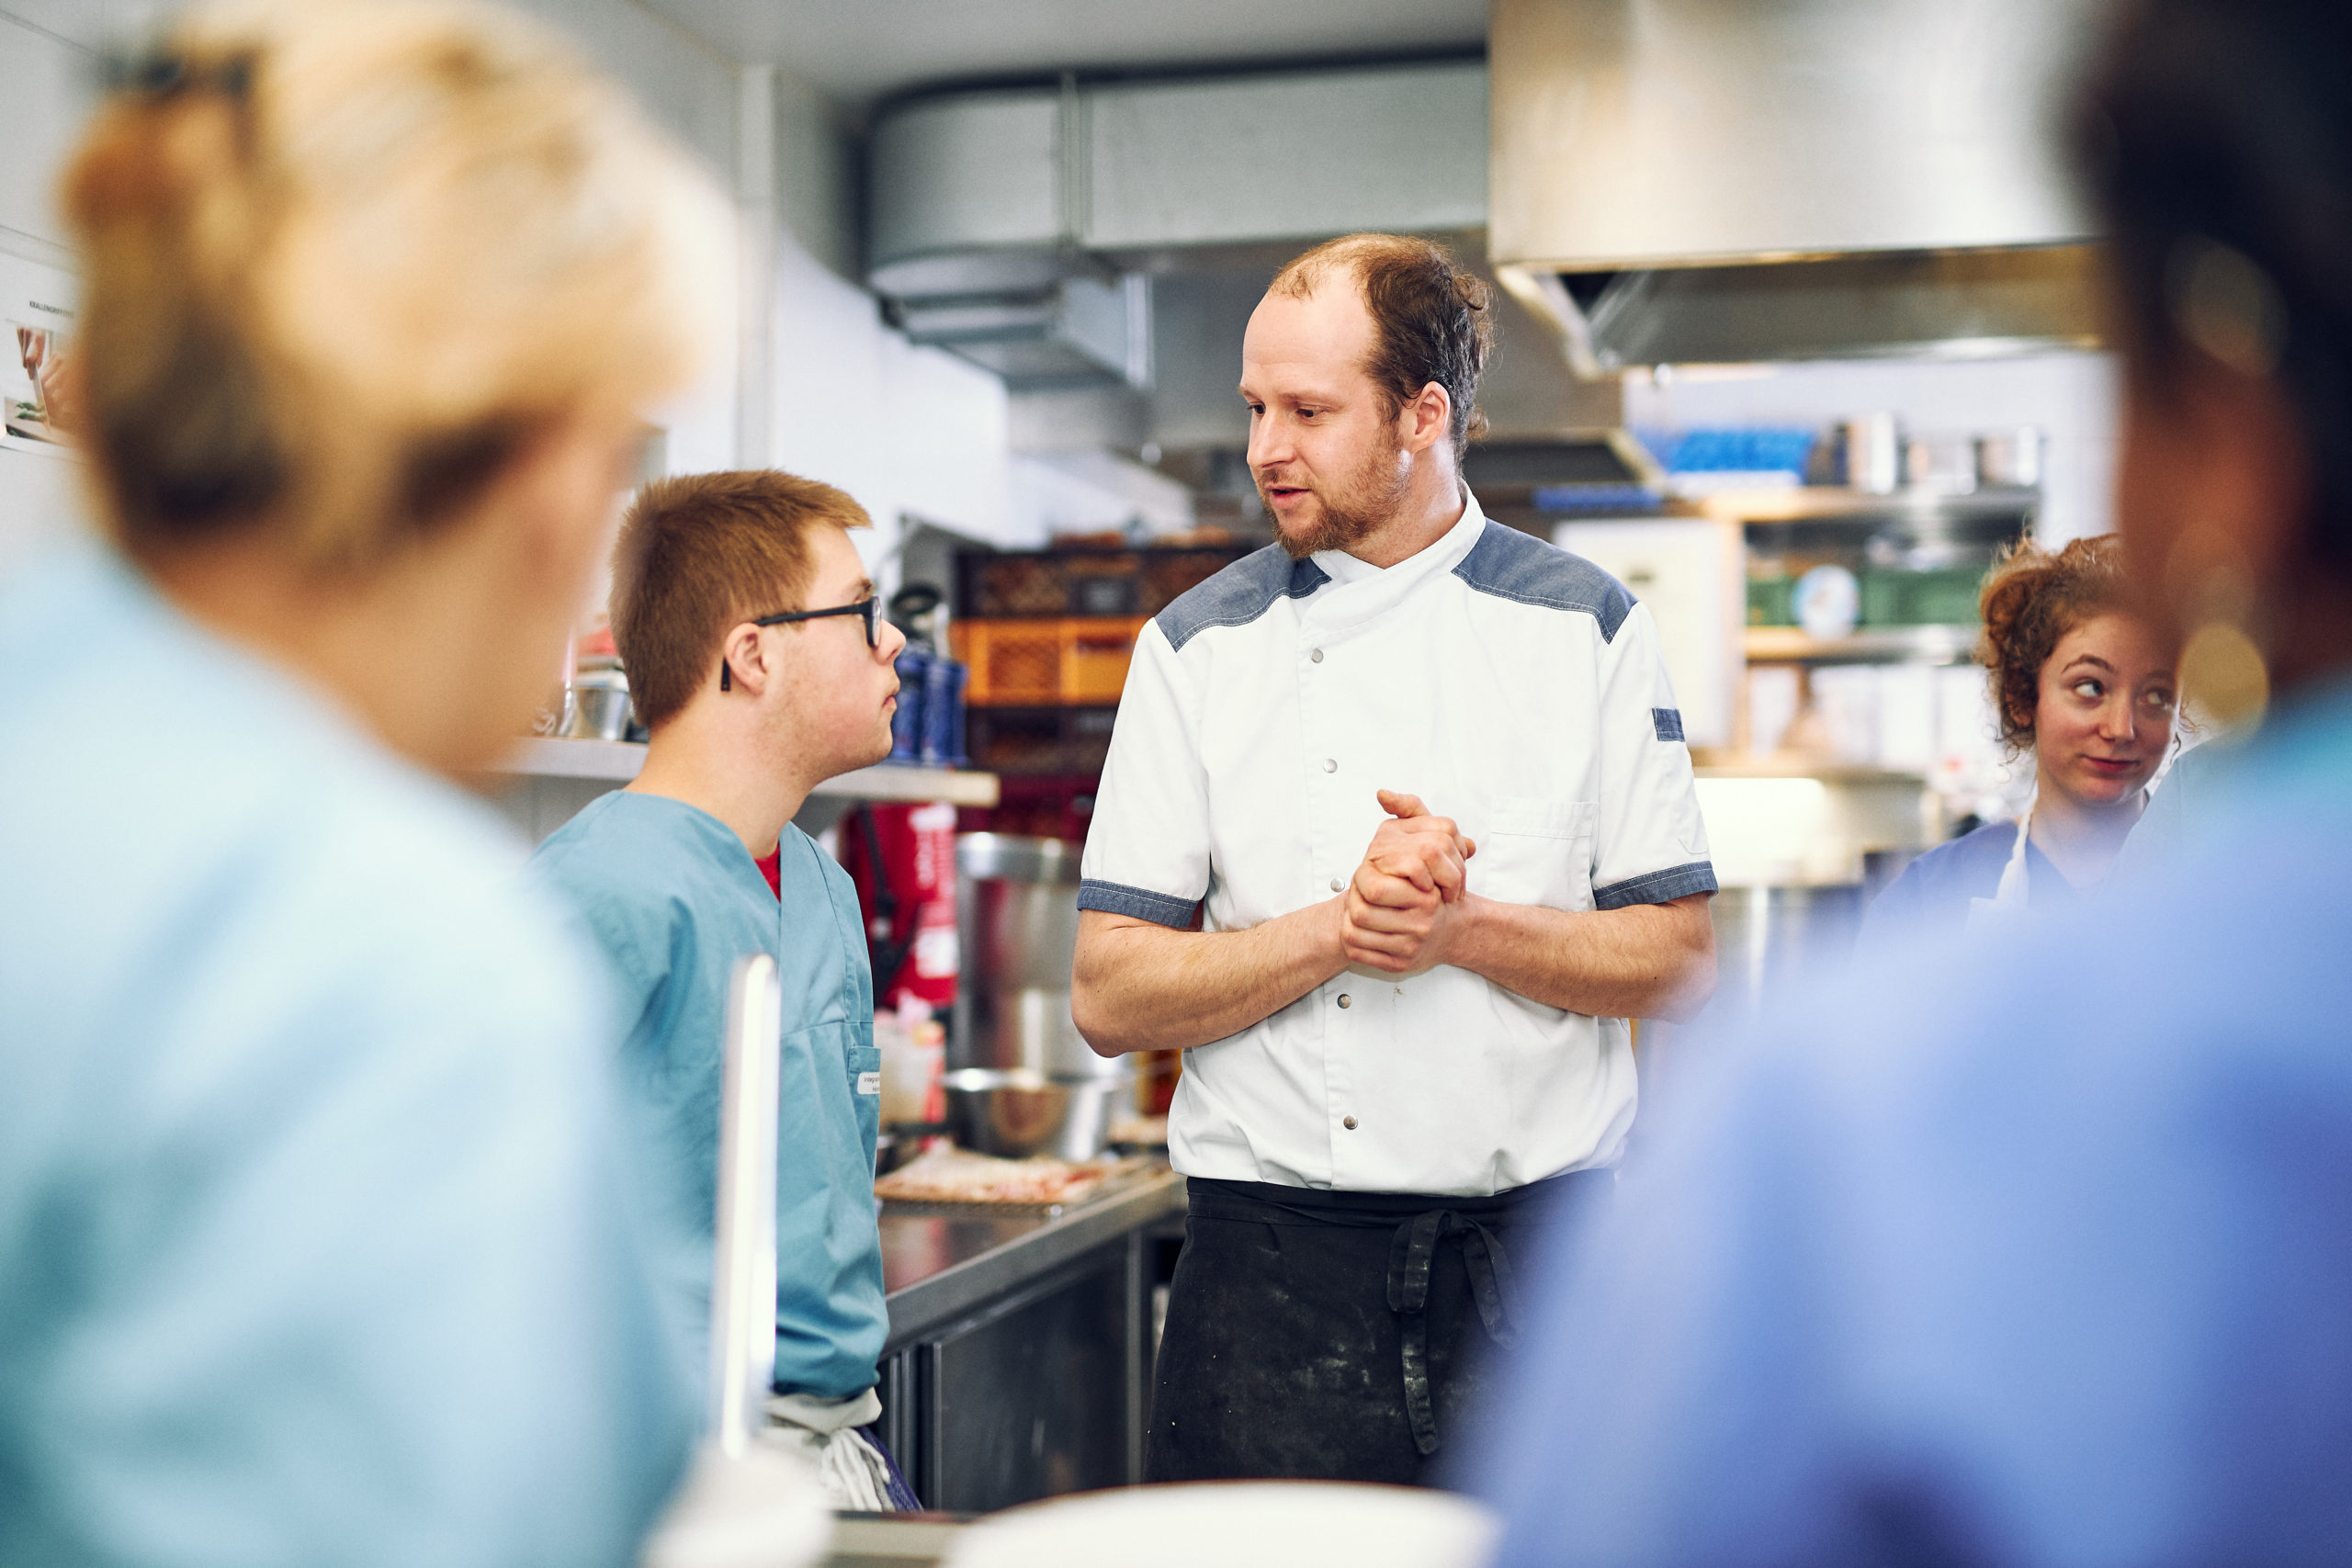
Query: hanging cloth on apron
<point>1318,1335</point>
<point>2008,899</point>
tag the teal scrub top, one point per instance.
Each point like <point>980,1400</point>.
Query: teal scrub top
<point>316,1215</point>
<point>675,899</point>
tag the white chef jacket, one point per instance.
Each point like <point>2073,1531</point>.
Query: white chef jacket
<point>1515,688</point>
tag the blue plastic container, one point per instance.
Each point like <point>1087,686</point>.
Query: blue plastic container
<point>942,714</point>
<point>906,721</point>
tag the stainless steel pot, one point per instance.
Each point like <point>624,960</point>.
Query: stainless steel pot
<point>1016,913</point>
<point>1017,1113</point>
<point>2009,457</point>
<point>600,706</point>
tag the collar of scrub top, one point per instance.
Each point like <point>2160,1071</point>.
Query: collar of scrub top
<point>870,607</point>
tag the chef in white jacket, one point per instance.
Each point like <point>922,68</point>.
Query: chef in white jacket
<point>1397,831</point>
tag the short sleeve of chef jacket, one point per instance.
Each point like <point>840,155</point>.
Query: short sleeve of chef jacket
<point>1649,845</point>
<point>1151,858</point>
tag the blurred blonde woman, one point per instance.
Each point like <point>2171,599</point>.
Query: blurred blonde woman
<point>313,1213</point>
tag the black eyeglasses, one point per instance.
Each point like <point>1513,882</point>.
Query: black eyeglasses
<point>868,609</point>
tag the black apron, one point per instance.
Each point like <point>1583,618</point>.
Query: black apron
<point>1321,1335</point>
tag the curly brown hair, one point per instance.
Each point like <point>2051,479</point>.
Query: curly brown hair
<point>2032,598</point>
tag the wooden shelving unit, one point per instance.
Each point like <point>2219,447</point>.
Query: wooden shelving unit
<point>1878,537</point>
<point>1821,503</point>
<point>1868,645</point>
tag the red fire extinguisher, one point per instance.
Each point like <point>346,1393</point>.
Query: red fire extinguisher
<point>902,859</point>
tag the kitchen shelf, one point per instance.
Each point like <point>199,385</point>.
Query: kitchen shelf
<point>1712,763</point>
<point>617,762</point>
<point>1870,645</point>
<point>1823,503</point>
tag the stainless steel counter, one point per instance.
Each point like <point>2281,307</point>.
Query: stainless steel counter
<point>937,1269</point>
<point>1019,1359</point>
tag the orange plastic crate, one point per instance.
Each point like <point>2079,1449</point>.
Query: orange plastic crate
<point>1046,663</point>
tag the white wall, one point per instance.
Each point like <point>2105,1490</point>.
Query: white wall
<point>48,59</point>
<point>39,502</point>
<point>688,88</point>
<point>1089,492</point>
<point>2073,397</point>
<point>909,432</point>
<point>683,82</point>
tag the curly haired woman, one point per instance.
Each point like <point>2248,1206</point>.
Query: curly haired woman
<point>2087,687</point>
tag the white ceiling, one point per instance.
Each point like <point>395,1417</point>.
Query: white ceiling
<point>857,50</point>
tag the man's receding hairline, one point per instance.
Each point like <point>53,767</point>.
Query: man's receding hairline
<point>1300,278</point>
<point>1365,362</point>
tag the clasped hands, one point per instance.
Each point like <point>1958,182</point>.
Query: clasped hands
<point>1402,911</point>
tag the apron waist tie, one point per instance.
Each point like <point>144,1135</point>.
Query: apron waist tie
<point>1410,1257</point>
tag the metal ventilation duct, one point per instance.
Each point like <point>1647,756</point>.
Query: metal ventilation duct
<point>1679,181</point>
<point>1028,207</point>
<point>1077,334</point>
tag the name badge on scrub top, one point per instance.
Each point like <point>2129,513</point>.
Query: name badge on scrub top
<point>869,1083</point>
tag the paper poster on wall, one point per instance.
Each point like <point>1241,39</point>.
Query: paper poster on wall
<point>37,313</point>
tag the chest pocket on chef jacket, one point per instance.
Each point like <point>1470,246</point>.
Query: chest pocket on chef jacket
<point>1537,851</point>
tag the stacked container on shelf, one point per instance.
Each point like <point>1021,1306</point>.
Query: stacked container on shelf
<point>1049,635</point>
<point>928,727</point>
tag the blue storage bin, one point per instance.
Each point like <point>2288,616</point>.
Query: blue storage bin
<point>1734,449</point>
<point>943,713</point>
<point>906,721</point>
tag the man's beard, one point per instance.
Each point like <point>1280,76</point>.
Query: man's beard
<point>1353,510</point>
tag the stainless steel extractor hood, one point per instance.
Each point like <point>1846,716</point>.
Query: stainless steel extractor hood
<point>1709,181</point>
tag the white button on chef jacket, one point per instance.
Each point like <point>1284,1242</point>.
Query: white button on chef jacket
<point>1513,686</point>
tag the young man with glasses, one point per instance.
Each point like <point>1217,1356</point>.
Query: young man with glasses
<point>758,657</point>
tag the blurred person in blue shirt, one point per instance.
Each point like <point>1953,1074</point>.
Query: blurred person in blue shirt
<point>315,1194</point>
<point>2178,804</point>
<point>2086,688</point>
<point>2035,1247</point>
<point>759,658</point>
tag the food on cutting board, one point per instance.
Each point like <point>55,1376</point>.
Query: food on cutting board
<point>958,1175</point>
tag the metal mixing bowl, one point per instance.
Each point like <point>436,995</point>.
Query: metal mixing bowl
<point>1014,1113</point>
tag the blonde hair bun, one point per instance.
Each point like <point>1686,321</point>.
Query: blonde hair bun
<point>341,256</point>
